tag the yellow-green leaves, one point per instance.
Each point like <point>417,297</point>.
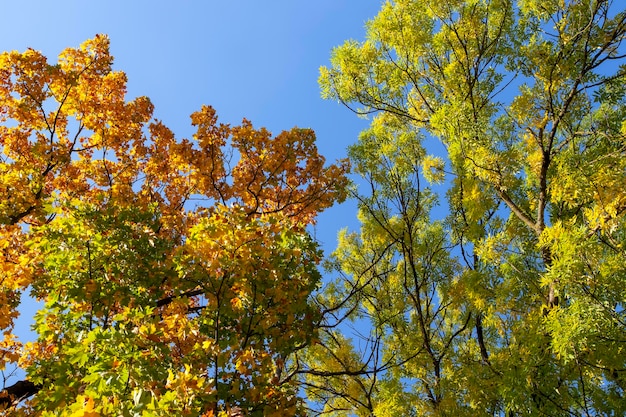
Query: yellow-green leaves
<point>520,289</point>
<point>433,169</point>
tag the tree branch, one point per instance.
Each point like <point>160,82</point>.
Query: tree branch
<point>12,395</point>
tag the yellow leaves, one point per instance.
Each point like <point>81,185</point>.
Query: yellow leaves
<point>489,249</point>
<point>186,380</point>
<point>540,8</point>
<point>84,407</point>
<point>244,362</point>
<point>475,200</point>
<point>599,218</point>
<point>472,286</point>
<point>537,201</point>
<point>237,303</point>
<point>534,158</point>
<point>433,169</point>
<point>209,346</point>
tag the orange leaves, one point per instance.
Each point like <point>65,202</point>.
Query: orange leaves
<point>68,127</point>
<point>257,275</point>
<point>93,53</point>
<point>91,142</point>
<point>9,349</point>
<point>23,80</point>
<point>211,139</point>
<point>284,173</point>
<point>247,360</point>
<point>272,174</point>
<point>136,283</point>
<point>15,275</point>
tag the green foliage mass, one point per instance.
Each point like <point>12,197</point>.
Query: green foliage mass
<point>492,273</point>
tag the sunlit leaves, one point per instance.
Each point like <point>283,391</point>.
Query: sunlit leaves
<point>526,98</point>
<point>151,304</point>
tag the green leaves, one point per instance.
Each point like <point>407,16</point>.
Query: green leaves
<point>520,282</point>
<point>138,323</point>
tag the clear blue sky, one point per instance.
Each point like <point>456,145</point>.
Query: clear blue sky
<point>247,58</point>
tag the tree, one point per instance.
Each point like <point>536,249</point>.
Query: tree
<point>171,272</point>
<point>508,299</point>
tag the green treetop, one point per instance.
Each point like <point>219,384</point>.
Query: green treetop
<point>512,301</point>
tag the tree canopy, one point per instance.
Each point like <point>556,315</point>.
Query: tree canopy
<point>489,262</point>
<point>486,276</point>
<point>171,272</point>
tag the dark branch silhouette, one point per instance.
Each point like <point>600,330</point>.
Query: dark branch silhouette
<point>10,396</point>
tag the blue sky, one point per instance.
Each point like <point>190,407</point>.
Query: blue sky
<point>246,58</point>
<point>253,59</point>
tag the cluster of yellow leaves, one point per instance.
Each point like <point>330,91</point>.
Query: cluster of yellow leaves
<point>84,408</point>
